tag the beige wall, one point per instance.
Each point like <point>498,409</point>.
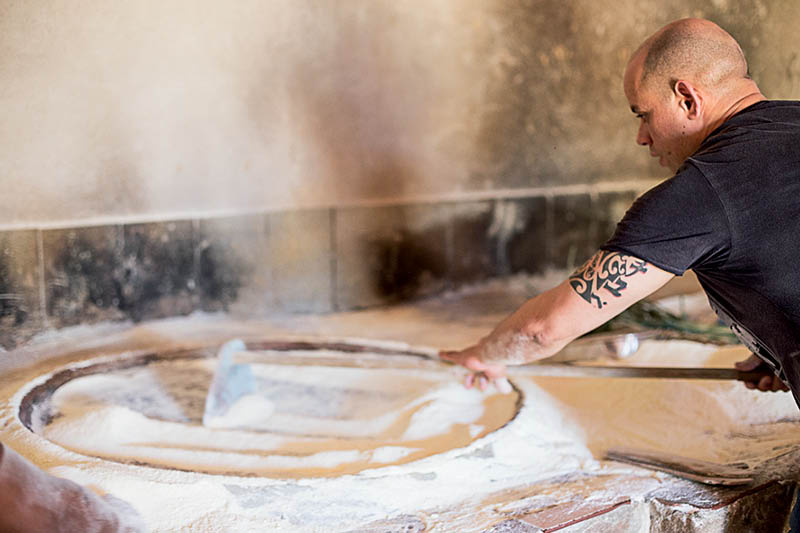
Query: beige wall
<point>118,110</point>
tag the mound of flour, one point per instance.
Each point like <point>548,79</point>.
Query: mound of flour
<point>309,422</point>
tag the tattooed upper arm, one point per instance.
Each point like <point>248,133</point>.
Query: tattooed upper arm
<point>605,270</point>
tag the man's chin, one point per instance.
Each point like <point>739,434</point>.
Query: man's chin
<point>668,164</point>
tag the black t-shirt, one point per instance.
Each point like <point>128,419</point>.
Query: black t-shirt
<point>732,214</point>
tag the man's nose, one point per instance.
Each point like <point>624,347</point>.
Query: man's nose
<point>643,137</point>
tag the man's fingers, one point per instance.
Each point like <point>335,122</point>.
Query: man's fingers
<point>502,385</point>
<point>751,363</point>
<point>447,355</point>
<point>771,384</point>
<point>455,356</point>
<point>482,373</point>
<point>768,383</point>
<point>469,381</point>
<point>778,384</point>
<point>467,358</point>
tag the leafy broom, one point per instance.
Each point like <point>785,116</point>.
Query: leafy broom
<point>646,315</point>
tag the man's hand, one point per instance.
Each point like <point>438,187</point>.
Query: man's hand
<point>482,373</point>
<point>768,383</point>
<point>547,322</point>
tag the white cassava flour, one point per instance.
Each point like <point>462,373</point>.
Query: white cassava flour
<point>335,449</point>
<point>301,422</point>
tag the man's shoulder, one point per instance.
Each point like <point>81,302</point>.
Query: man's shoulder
<point>688,193</point>
<point>762,114</point>
<point>770,106</point>
<point>753,139</point>
<point>688,179</point>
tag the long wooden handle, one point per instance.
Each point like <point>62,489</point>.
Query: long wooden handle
<point>641,372</point>
<point>427,362</point>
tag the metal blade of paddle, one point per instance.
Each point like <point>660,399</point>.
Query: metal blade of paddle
<point>230,382</point>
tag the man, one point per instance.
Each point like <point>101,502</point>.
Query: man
<point>731,213</point>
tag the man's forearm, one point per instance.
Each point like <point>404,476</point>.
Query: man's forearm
<point>603,287</point>
<point>527,335</point>
<point>513,348</point>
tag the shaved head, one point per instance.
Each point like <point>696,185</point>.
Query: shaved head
<point>682,83</point>
<point>692,49</point>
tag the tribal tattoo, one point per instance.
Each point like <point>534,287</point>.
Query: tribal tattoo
<point>605,270</point>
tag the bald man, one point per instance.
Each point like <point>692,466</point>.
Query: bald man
<point>730,212</point>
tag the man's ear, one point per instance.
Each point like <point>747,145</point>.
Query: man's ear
<point>689,99</point>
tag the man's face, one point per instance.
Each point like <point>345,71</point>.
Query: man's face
<point>663,125</point>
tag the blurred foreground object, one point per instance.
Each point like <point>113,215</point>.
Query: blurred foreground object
<point>32,500</point>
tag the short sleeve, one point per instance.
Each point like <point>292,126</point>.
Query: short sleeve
<point>678,225</point>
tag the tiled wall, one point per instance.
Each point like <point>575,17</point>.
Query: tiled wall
<point>317,260</point>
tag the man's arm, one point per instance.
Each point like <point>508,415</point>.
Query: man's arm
<point>603,287</point>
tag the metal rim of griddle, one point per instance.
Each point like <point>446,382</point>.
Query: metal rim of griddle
<point>37,399</point>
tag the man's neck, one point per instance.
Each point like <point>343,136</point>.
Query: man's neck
<point>745,96</point>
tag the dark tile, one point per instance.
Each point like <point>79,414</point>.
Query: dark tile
<point>233,265</point>
<point>20,308</point>
<point>609,209</point>
<point>526,248</point>
<point>572,238</point>
<point>159,275</point>
<point>389,254</point>
<point>472,253</point>
<point>300,255</point>
<point>82,270</point>
<point>498,238</point>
